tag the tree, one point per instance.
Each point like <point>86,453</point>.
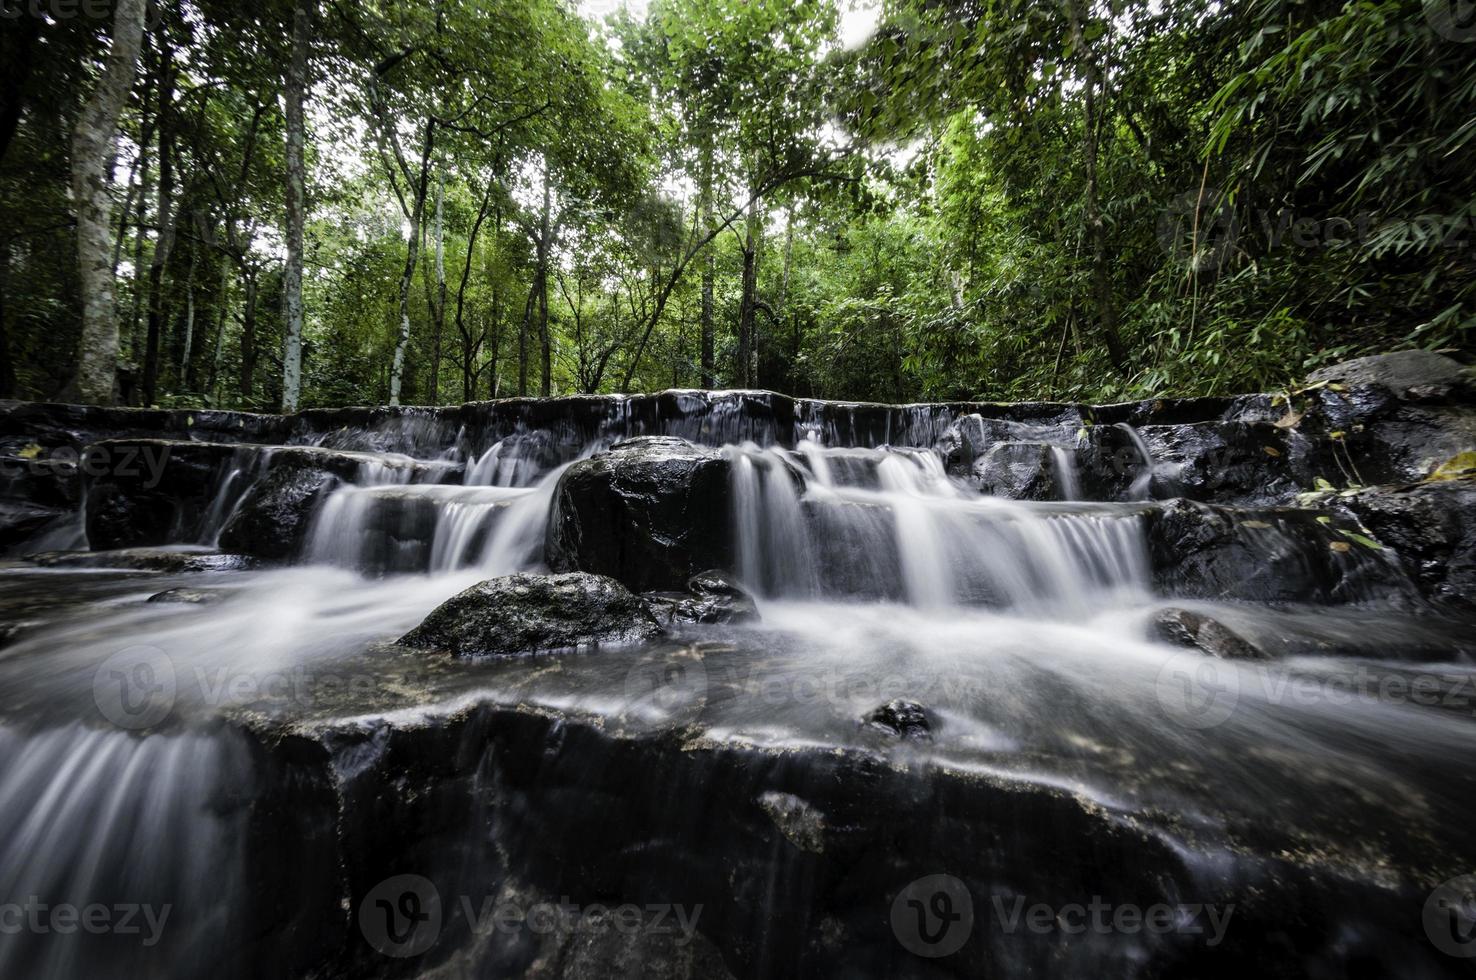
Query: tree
<point>92,145</point>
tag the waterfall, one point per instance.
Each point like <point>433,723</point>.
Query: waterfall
<point>891,522</point>
<point>1066,479</point>
<point>1142,480</point>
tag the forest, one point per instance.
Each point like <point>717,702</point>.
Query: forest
<point>296,203</point>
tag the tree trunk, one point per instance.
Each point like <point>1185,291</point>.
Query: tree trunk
<point>186,376</point>
<point>438,307</point>
<point>546,385</point>
<point>747,307</point>
<point>412,255</point>
<point>1101,270</point>
<point>248,337</point>
<point>92,144</point>
<point>295,96</point>
<point>221,313</point>
<point>166,219</point>
<point>709,276</point>
<point>471,351</point>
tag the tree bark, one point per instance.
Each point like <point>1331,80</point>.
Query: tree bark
<point>1101,269</point>
<point>438,307</point>
<point>471,350</point>
<point>248,336</point>
<point>709,277</point>
<point>92,144</point>
<point>747,307</point>
<point>546,385</point>
<point>295,96</point>
<point>412,255</point>
<point>166,220</point>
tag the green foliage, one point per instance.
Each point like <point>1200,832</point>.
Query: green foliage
<point>991,199</point>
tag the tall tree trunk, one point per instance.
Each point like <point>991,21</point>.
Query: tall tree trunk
<point>1101,268</point>
<point>221,314</point>
<point>19,61</point>
<point>92,146</point>
<point>748,304</point>
<point>471,351</point>
<point>494,380</point>
<point>188,343</point>
<point>709,276</point>
<point>7,365</point>
<point>140,236</point>
<point>295,96</point>
<point>524,330</point>
<point>164,245</point>
<point>546,385</point>
<point>438,308</point>
<point>412,255</point>
<point>248,336</point>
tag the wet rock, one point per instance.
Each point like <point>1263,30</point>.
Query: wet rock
<point>800,823</point>
<point>523,614</point>
<point>148,492</point>
<point>651,512</point>
<point>902,718</point>
<point>1184,628</point>
<point>711,597</point>
<point>1017,470</point>
<point>1284,554</point>
<point>1400,372</point>
<point>1430,528</point>
<point>194,597</point>
<point>20,521</point>
<point>145,560</point>
<point>275,515</point>
<point>153,492</point>
<point>971,436</point>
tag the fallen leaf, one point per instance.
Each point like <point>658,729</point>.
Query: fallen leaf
<point>1341,547</point>
<point>1271,450</point>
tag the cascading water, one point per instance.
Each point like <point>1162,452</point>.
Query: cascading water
<point>880,573</point>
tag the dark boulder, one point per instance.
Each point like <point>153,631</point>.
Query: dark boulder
<point>711,597</point>
<point>1019,471</point>
<point>1430,527</point>
<point>651,512</point>
<point>194,597</point>
<point>1185,628</point>
<point>144,493</point>
<point>20,522</point>
<point>275,514</point>
<point>902,718</point>
<point>1400,372</point>
<point>1286,554</point>
<point>149,492</point>
<point>522,614</point>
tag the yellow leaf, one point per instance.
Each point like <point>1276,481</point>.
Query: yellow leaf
<point>1258,525</point>
<point>1459,467</point>
<point>1341,547</point>
<point>1271,450</point>
<point>30,452</point>
<point>1291,418</point>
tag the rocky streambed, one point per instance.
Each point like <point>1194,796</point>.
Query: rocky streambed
<point>734,685</point>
